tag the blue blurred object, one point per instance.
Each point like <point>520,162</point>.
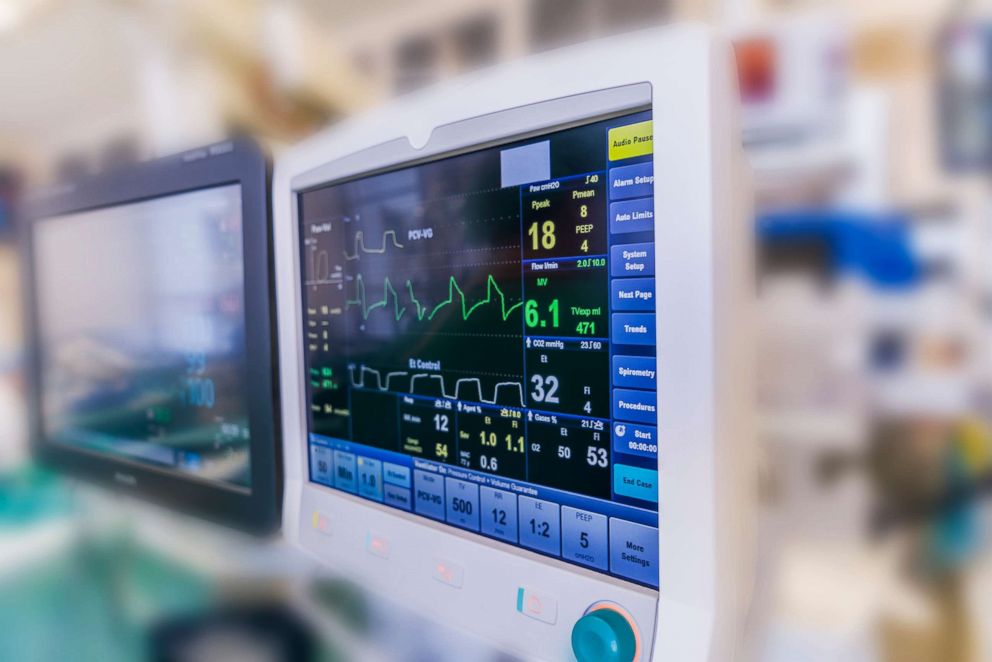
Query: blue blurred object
<point>954,536</point>
<point>874,246</point>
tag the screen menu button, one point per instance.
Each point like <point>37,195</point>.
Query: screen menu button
<point>429,494</point>
<point>633,181</point>
<point>632,216</point>
<point>632,294</point>
<point>396,496</point>
<point>499,513</point>
<point>636,482</point>
<point>540,528</point>
<point>628,260</point>
<point>370,478</point>
<point>635,372</point>
<point>322,464</point>
<point>634,329</point>
<point>634,551</point>
<point>396,474</point>
<point>463,503</point>
<point>584,537</point>
<point>345,477</point>
<point>636,406</point>
<point>641,440</point>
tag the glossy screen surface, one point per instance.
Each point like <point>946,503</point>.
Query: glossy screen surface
<point>141,317</point>
<point>480,342</point>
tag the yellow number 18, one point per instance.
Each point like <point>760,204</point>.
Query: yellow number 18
<point>543,238</point>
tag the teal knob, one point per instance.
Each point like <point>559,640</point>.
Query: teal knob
<point>603,635</point>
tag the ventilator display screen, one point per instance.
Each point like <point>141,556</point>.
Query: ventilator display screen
<point>480,342</point>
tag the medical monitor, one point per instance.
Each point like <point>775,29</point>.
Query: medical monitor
<point>480,342</point>
<point>500,344</point>
<point>151,362</point>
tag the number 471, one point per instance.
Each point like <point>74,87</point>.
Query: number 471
<point>586,328</point>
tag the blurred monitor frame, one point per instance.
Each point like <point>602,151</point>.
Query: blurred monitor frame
<point>237,170</point>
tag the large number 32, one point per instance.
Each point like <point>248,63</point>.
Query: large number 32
<point>545,389</point>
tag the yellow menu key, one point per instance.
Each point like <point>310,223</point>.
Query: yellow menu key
<point>631,140</point>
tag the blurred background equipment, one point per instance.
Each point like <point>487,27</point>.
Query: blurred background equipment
<point>149,359</point>
<point>792,81</point>
<point>267,633</point>
<point>964,69</point>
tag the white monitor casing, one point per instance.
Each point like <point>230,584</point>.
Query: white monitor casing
<point>703,282</point>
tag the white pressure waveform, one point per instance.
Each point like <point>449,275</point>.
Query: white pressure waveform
<point>382,383</point>
<point>360,245</point>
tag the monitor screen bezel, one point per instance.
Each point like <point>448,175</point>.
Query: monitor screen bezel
<point>258,508</point>
<point>705,426</point>
<point>465,136</point>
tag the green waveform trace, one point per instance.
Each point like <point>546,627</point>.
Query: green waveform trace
<point>398,311</point>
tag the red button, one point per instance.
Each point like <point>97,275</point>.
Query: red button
<point>377,546</point>
<point>321,523</point>
<point>449,573</point>
<point>538,606</point>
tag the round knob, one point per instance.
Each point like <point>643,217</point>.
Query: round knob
<point>603,635</point>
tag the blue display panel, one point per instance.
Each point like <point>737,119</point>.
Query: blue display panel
<point>480,337</point>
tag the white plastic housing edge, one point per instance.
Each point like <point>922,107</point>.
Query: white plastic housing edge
<point>703,281</point>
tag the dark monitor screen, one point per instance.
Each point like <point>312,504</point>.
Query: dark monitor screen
<point>151,348</point>
<point>480,342</point>
<point>141,313</point>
